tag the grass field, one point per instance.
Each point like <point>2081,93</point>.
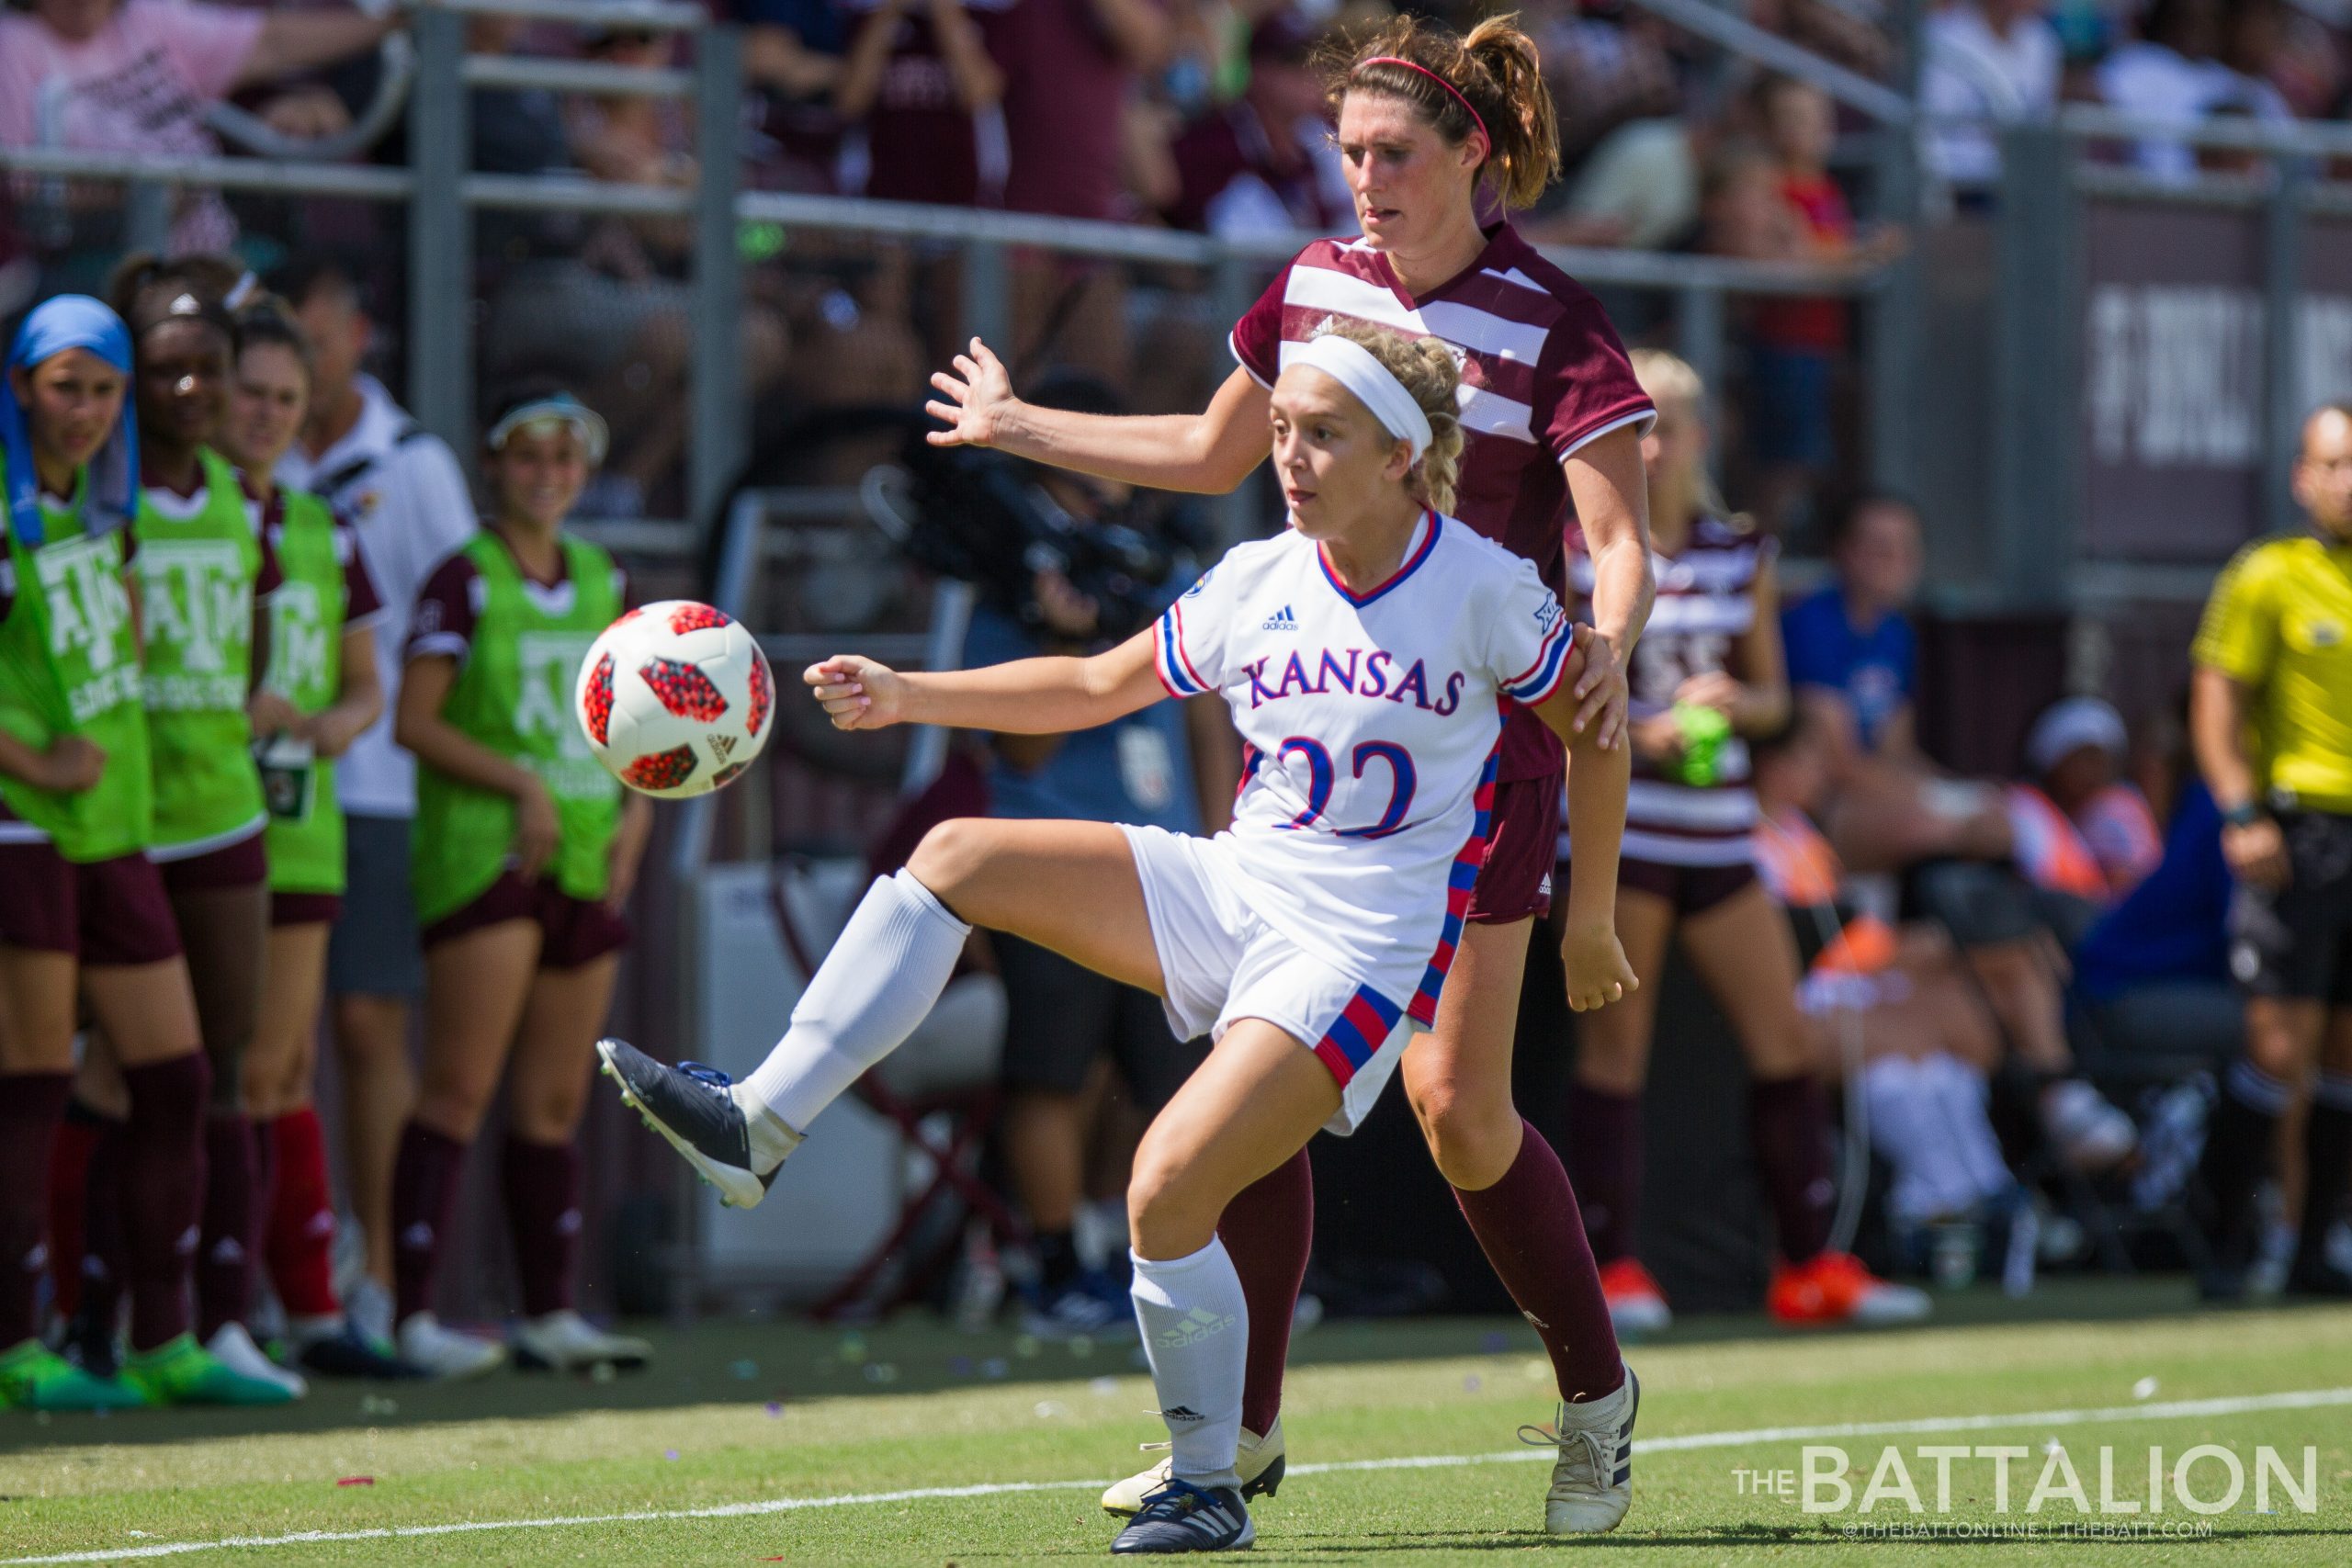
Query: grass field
<point>751,1443</point>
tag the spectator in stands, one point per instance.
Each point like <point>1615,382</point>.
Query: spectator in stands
<point>1064,1024</point>
<point>1265,163</point>
<point>1607,68</point>
<point>2174,70</point>
<point>1795,346</point>
<point>1989,64</point>
<point>1070,67</point>
<point>1706,674</point>
<point>2076,755</point>
<point>137,76</point>
<point>792,54</point>
<point>318,692</point>
<point>525,853</point>
<point>918,80</point>
<point>2272,683</point>
<point>404,498</point>
<point>611,311</point>
<point>1853,657</point>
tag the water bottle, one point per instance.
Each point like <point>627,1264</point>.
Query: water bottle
<point>1705,732</point>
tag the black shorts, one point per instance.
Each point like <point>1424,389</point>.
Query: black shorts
<point>1061,1016</point>
<point>1692,890</point>
<point>2297,942</point>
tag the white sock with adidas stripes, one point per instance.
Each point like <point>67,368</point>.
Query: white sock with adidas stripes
<point>890,964</point>
<point>1195,1326</point>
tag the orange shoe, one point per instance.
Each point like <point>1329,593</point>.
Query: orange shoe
<point>1636,1303</point>
<point>1833,1287</point>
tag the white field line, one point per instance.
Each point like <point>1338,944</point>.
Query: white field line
<point>2167,1410</point>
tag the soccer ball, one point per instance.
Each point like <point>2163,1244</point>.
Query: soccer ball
<point>676,698</point>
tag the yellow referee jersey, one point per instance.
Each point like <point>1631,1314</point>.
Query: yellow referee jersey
<point>2279,623</point>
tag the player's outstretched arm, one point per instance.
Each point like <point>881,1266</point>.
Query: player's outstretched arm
<point>1207,453</point>
<point>1027,696</point>
<point>1598,973</point>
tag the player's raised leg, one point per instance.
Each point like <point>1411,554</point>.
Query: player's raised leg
<point>1070,886</point>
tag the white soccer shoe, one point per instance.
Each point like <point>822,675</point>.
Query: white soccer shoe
<point>233,1348</point>
<point>1592,1483</point>
<point>1258,1460</point>
<point>566,1342</point>
<point>444,1353</point>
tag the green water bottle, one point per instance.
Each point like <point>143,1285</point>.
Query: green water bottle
<point>1704,731</point>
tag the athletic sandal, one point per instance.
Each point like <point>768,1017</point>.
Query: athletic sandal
<point>563,1341</point>
<point>34,1377</point>
<point>695,1109</point>
<point>1258,1460</point>
<point>1180,1516</point>
<point>181,1371</point>
<point>1592,1482</point>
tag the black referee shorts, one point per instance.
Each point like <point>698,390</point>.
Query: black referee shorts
<point>2296,944</point>
<point>1061,1016</point>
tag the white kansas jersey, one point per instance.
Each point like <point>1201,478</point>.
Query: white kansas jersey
<point>1371,723</point>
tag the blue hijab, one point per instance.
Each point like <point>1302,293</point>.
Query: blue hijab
<point>69,320</point>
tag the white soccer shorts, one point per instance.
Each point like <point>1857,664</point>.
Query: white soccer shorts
<point>1222,962</point>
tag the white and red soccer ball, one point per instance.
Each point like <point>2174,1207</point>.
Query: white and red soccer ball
<point>676,699</point>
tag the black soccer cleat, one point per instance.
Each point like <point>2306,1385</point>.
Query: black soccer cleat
<point>691,1106</point>
<point>1182,1516</point>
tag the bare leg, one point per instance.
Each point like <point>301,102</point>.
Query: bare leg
<point>379,1092</point>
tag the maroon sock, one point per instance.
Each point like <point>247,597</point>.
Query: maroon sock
<point>31,1107</point>
<point>1531,1230</point>
<point>106,1251</point>
<point>1605,1166</point>
<point>542,1183</point>
<point>1789,1127</point>
<point>425,1192</point>
<point>162,1189</point>
<point>1268,1230</point>
<point>224,1251</point>
<point>78,1132</point>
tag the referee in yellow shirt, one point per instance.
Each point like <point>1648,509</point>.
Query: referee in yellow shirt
<point>2270,712</point>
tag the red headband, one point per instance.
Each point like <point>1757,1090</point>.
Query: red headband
<point>1451,89</point>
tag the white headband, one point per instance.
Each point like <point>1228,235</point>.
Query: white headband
<point>1354,367</point>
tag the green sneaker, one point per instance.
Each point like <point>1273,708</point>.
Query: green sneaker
<point>34,1377</point>
<point>181,1371</point>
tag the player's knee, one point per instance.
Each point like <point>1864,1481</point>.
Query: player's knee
<point>1472,1133</point>
<point>950,857</point>
<point>1168,1214</point>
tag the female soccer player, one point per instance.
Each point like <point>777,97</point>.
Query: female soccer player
<point>198,565</point>
<point>1369,654</point>
<point>82,913</point>
<point>1431,127</point>
<point>317,691</point>
<point>1707,674</point>
<point>523,856</point>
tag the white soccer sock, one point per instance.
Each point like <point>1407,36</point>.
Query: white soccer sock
<point>882,977</point>
<point>1195,1326</point>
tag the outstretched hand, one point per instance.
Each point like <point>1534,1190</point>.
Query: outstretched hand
<point>979,393</point>
<point>1600,688</point>
<point>857,693</point>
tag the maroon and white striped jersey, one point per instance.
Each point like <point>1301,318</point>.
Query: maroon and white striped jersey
<point>1706,602</point>
<point>1543,373</point>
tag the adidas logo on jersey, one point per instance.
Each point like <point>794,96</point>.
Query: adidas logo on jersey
<point>1281,620</point>
<point>1197,1325</point>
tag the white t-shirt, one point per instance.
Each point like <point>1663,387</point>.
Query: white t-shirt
<point>2150,81</point>
<point>403,496</point>
<point>1976,74</point>
<point>1370,724</point>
